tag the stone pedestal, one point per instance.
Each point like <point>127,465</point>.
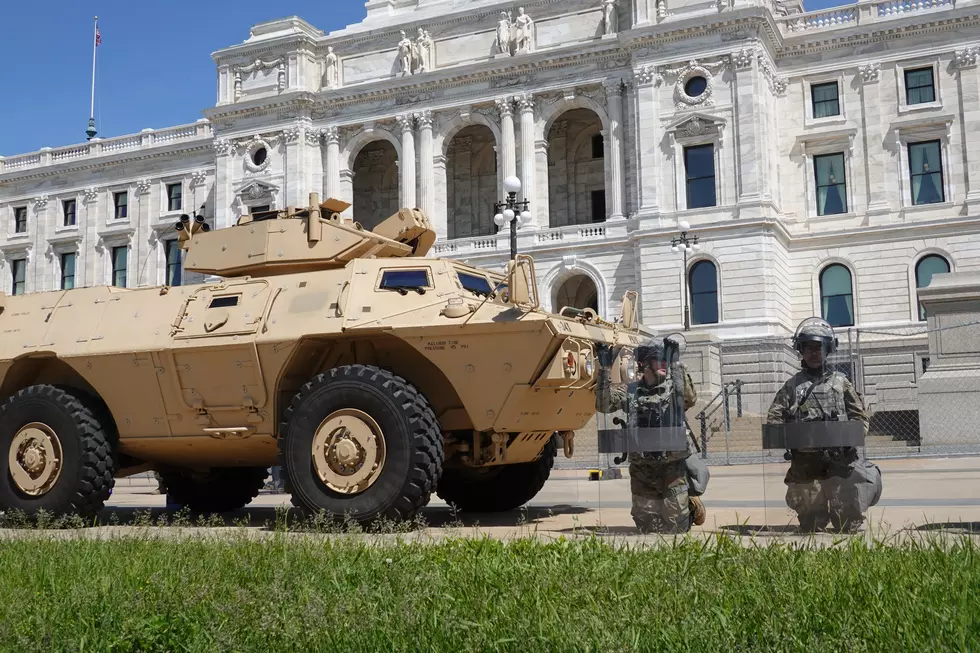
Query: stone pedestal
<point>949,390</point>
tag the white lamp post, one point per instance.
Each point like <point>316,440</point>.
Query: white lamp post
<point>687,245</point>
<point>512,211</point>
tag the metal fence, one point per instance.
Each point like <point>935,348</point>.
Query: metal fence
<point>737,381</point>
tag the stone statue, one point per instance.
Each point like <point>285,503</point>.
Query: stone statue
<point>610,19</point>
<point>423,51</point>
<point>523,32</point>
<point>406,52</point>
<point>331,79</point>
<point>503,34</point>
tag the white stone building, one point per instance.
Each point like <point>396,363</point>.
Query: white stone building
<point>828,161</point>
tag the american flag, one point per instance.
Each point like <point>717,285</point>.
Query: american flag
<point>98,37</point>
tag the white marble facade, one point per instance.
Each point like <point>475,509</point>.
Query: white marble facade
<point>602,108</point>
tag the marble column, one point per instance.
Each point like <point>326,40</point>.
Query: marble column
<point>427,172</point>
<point>877,157</point>
<point>331,185</point>
<point>406,163</point>
<point>614,100</point>
<point>296,177</point>
<point>508,155</point>
<point>528,190</point>
<point>541,208</point>
<point>647,134</point>
<point>965,62</point>
<point>748,111</point>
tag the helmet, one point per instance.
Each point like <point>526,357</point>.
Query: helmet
<point>652,349</point>
<point>815,329</point>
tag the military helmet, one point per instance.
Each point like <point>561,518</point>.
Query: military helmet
<point>650,349</point>
<point>815,329</point>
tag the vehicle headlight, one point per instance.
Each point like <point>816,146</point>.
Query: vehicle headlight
<point>589,366</point>
<point>631,368</point>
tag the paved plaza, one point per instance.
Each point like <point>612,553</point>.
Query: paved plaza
<point>920,496</point>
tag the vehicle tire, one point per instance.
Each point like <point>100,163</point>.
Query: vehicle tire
<point>499,488</point>
<point>360,442</point>
<point>221,489</point>
<point>55,454</point>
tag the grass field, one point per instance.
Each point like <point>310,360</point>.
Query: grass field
<point>318,593</point>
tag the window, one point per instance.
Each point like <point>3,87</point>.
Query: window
<point>831,185</point>
<point>119,256</point>
<point>598,204</point>
<point>405,280</point>
<point>695,86</point>
<point>174,196</point>
<point>20,219</point>
<point>475,283</point>
<point>699,164</point>
<point>18,269</point>
<point>926,171</point>
<point>120,201</point>
<point>174,263</point>
<point>68,271</point>
<point>69,209</point>
<point>919,87</point>
<point>598,147</point>
<point>825,98</point>
<point>836,296</point>
<point>924,269</point>
<point>703,281</point>
<point>225,301</point>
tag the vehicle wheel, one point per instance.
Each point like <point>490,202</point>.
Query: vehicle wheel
<point>358,440</point>
<point>499,488</point>
<point>221,489</point>
<point>56,454</point>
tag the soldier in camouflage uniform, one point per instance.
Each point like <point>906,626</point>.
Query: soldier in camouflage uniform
<point>824,484</point>
<point>659,481</point>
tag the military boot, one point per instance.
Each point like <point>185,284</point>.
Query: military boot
<point>698,511</point>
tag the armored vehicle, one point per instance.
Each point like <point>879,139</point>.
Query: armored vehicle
<point>373,373</point>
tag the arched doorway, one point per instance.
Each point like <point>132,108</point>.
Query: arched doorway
<point>471,182</point>
<point>578,291</point>
<point>375,183</point>
<point>576,169</point>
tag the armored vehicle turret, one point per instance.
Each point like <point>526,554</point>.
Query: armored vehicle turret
<point>372,372</point>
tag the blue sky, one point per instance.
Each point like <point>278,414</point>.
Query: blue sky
<point>154,63</point>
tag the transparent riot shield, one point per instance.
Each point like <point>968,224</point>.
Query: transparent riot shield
<point>641,427</point>
<point>814,430</point>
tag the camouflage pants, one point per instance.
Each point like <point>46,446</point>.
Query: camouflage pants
<point>822,490</point>
<point>660,495</point>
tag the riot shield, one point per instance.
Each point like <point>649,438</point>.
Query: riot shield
<point>816,476</point>
<point>641,425</point>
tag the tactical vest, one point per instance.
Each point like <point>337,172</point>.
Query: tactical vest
<point>819,400</point>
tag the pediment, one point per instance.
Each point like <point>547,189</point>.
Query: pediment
<point>696,126</point>
<point>256,189</point>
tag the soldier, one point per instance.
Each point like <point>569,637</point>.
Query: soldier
<point>666,498</point>
<point>826,484</point>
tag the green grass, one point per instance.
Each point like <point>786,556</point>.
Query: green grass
<point>317,593</point>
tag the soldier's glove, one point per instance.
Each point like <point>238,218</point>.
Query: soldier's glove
<point>605,354</point>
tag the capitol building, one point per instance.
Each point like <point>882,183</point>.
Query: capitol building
<point>823,160</point>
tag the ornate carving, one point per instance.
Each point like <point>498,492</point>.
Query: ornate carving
<point>331,65</point>
<point>517,80</point>
<point>645,74</point>
<point>198,177</point>
<point>292,134</point>
<point>777,84</point>
<point>870,72</point>
<point>424,119</point>
<point>966,57</point>
<point>406,122</point>
<point>143,186</point>
<point>696,128</point>
<point>694,68</point>
<point>331,134</point>
<point>252,149</point>
<point>612,86</point>
<point>91,194</point>
<point>525,101</point>
<point>258,64</point>
<point>423,51</point>
<point>221,146</point>
<point>40,202</point>
<point>504,107</point>
<point>414,99</point>
<point>313,136</point>
<point>744,58</point>
<point>610,17</point>
<point>523,33</point>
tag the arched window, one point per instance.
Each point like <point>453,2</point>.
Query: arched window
<point>703,282</point>
<point>837,295</point>
<point>924,269</point>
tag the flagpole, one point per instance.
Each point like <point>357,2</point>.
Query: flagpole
<point>90,132</point>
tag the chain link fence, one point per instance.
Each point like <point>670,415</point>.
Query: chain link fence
<point>737,381</point>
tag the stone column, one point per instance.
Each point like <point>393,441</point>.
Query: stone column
<point>541,208</point>
<point>747,114</point>
<point>876,158</point>
<point>965,62</point>
<point>440,220</point>
<point>427,171</point>
<point>406,163</point>
<point>528,190</point>
<point>508,155</point>
<point>296,178</point>
<point>647,168</point>
<point>614,98</point>
<point>332,178</point>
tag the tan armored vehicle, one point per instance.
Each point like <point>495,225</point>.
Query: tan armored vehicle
<point>372,373</point>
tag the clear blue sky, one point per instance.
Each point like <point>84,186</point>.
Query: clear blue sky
<point>154,63</point>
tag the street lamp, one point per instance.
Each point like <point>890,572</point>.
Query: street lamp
<point>687,245</point>
<point>512,211</point>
